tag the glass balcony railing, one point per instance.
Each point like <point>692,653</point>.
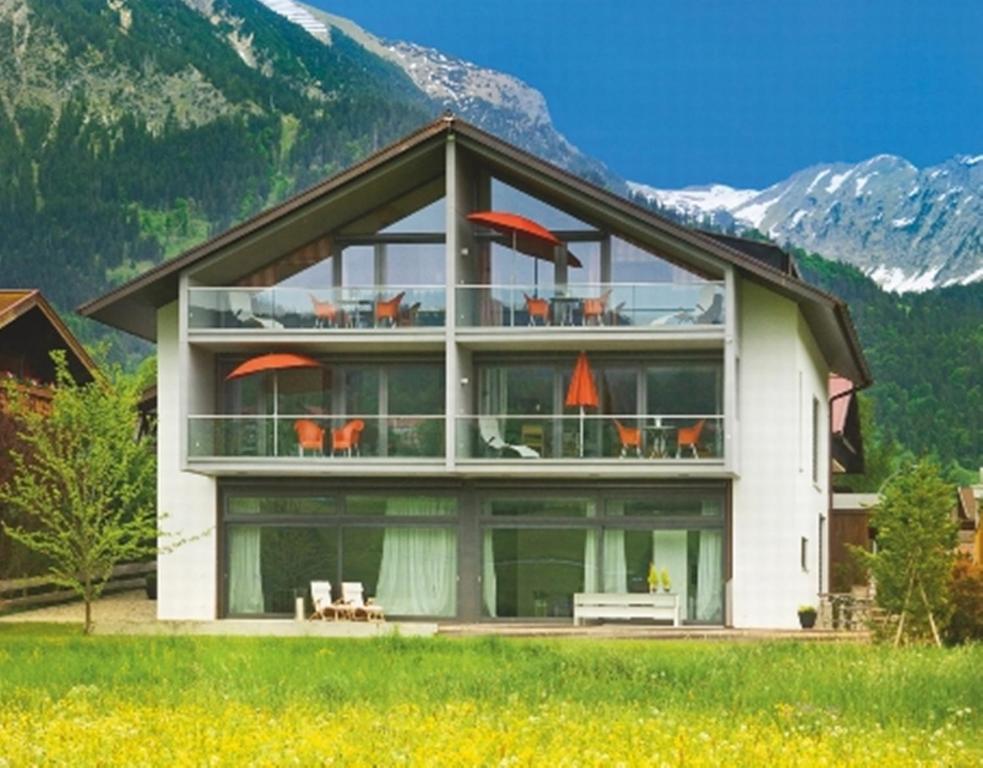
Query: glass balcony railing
<point>356,307</point>
<point>347,437</point>
<point>691,437</point>
<point>619,305</point>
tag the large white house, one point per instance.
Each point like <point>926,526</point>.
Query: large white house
<point>479,416</point>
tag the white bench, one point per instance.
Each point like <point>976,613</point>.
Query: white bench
<point>634,605</point>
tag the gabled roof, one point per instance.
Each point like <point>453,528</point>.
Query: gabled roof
<point>21,304</point>
<point>131,306</point>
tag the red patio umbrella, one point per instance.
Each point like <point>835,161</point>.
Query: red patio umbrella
<point>582,392</point>
<point>527,236</point>
<point>531,238</point>
<point>275,362</point>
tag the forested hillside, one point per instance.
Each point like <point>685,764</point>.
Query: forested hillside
<point>926,354</point>
<point>127,137</point>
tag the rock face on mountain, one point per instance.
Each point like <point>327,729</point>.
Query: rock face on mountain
<point>495,101</point>
<point>909,229</point>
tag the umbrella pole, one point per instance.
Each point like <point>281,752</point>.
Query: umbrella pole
<point>276,376</point>
<point>512,282</point>
<point>581,431</point>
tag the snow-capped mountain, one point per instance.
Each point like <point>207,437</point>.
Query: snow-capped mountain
<point>910,229</point>
<point>495,101</point>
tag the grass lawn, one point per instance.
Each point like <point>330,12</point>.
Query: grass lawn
<point>70,700</point>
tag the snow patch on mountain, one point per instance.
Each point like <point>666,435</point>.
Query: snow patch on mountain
<point>696,201</point>
<point>909,229</point>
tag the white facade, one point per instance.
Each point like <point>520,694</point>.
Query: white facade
<point>776,502</point>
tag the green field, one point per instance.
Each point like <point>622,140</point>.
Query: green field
<point>71,700</point>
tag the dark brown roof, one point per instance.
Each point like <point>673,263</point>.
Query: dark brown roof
<point>15,304</point>
<point>158,285</point>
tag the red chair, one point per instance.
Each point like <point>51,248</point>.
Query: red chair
<point>630,438</point>
<point>310,436</point>
<point>326,314</point>
<point>689,437</point>
<point>347,438</point>
<point>388,310</point>
<point>595,308</point>
<point>537,308</point>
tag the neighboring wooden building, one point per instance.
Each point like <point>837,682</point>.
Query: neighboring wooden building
<point>969,500</point>
<point>30,330</point>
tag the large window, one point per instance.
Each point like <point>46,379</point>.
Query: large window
<point>519,554</point>
<point>403,549</point>
<point>533,563</point>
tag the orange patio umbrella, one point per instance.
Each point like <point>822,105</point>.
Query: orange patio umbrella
<point>528,236</point>
<point>582,392</point>
<point>275,362</point>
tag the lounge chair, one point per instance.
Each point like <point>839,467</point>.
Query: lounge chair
<point>491,435</point>
<point>352,595</point>
<point>241,307</point>
<point>324,607</point>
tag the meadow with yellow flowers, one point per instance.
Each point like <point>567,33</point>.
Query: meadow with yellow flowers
<point>71,700</point>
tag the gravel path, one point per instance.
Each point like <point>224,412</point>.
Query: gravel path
<point>126,607</point>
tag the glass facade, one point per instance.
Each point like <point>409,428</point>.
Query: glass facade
<point>474,552</point>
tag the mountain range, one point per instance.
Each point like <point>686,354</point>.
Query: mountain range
<point>909,229</point>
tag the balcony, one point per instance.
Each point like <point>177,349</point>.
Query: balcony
<point>321,310</point>
<point>649,306</point>
<point>325,438</point>
<point>628,437</point>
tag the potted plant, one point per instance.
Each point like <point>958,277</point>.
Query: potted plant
<point>150,585</point>
<point>666,581</point>
<point>807,616</point>
<point>653,578</point>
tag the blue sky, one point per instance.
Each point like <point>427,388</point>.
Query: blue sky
<point>739,91</point>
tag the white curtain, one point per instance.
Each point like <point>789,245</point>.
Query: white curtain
<point>590,562</point>
<point>615,562</point>
<point>669,552</point>
<point>489,583</point>
<point>245,570</point>
<point>418,573</point>
<point>709,577</point>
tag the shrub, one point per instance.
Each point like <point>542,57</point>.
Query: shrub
<point>966,594</point>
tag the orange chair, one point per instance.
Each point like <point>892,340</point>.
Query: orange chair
<point>388,310</point>
<point>595,308</point>
<point>310,436</point>
<point>325,313</point>
<point>689,437</point>
<point>347,438</point>
<point>630,438</point>
<point>537,308</point>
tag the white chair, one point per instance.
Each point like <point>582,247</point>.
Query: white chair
<point>241,306</point>
<point>324,608</point>
<point>352,595</point>
<point>491,434</point>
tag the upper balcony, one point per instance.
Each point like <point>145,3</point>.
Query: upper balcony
<point>638,306</point>
<point>279,309</point>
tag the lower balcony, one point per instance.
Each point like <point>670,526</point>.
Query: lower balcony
<point>239,438</point>
<point>690,438</point>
